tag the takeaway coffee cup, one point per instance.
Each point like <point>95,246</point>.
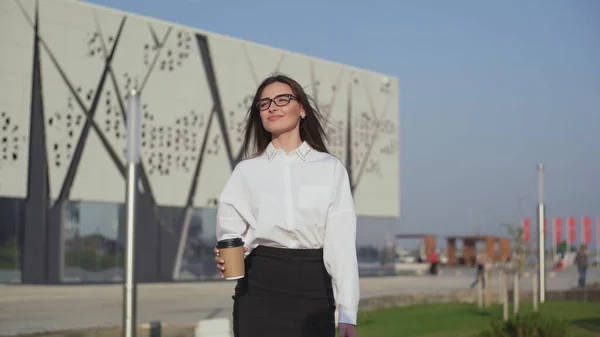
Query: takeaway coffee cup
<point>232,252</point>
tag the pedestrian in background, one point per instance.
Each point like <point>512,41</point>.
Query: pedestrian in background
<point>434,260</point>
<point>581,261</point>
<point>480,276</point>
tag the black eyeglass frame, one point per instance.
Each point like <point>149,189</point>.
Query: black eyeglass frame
<point>273,100</point>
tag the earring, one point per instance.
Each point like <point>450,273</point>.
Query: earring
<point>302,117</point>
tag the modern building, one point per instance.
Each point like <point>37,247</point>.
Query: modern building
<point>66,71</point>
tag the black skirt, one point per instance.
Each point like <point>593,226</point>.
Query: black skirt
<point>286,292</point>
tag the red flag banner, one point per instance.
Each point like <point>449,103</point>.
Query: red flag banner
<point>572,230</point>
<point>526,230</point>
<point>558,230</point>
<point>587,230</point>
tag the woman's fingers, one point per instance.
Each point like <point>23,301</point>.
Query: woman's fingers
<point>220,262</point>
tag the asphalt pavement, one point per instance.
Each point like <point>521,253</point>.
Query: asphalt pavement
<point>33,308</point>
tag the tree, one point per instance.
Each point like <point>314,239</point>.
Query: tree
<point>561,248</point>
<point>520,251</point>
<point>519,260</point>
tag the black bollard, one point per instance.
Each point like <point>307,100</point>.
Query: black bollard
<point>156,329</point>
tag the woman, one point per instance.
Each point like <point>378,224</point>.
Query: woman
<point>291,203</point>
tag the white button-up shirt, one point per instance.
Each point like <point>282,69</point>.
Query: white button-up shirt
<point>299,200</point>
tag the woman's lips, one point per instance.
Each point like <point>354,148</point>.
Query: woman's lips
<point>273,118</point>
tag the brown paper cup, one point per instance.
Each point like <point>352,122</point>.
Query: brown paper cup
<point>232,252</point>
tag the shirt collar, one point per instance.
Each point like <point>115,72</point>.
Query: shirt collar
<point>302,151</point>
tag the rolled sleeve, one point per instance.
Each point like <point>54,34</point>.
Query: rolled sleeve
<point>339,248</point>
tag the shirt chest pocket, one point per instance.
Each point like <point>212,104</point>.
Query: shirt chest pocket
<point>313,203</point>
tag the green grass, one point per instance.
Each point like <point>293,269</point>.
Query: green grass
<point>465,320</point>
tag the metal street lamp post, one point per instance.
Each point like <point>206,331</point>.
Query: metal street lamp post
<point>133,157</point>
<point>541,216</point>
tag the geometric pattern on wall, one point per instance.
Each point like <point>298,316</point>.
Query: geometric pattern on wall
<point>196,88</point>
<point>12,140</point>
<point>15,88</point>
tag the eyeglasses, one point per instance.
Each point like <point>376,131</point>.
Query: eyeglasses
<point>279,100</point>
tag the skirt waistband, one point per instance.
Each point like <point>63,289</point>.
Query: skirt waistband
<point>289,253</point>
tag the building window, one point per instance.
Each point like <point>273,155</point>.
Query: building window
<point>93,242</point>
<point>198,260</point>
<point>11,225</point>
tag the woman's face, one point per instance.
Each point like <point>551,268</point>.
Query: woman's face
<point>280,111</point>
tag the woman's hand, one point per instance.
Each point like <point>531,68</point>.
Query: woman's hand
<point>221,262</point>
<point>347,330</point>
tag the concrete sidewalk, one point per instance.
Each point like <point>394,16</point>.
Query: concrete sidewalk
<point>26,308</point>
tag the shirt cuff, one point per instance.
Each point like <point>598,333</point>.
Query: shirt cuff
<point>347,316</point>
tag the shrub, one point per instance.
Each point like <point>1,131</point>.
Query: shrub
<point>531,325</point>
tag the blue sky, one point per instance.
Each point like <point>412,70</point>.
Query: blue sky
<point>488,89</point>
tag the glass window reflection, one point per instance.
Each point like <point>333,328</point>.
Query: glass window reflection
<point>11,226</point>
<point>93,250</point>
<point>198,257</point>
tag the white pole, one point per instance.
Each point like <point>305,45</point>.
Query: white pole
<point>581,231</point>
<point>541,239</point>
<point>568,235</point>
<point>598,241</point>
<point>505,294</point>
<point>499,285</point>
<point>133,156</point>
<point>516,293</point>
<point>535,292</point>
<point>480,293</point>
<point>554,238</point>
<point>487,289</point>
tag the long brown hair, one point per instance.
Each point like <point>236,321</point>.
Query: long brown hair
<point>256,138</point>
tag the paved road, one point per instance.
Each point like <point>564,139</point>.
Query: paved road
<point>25,308</point>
